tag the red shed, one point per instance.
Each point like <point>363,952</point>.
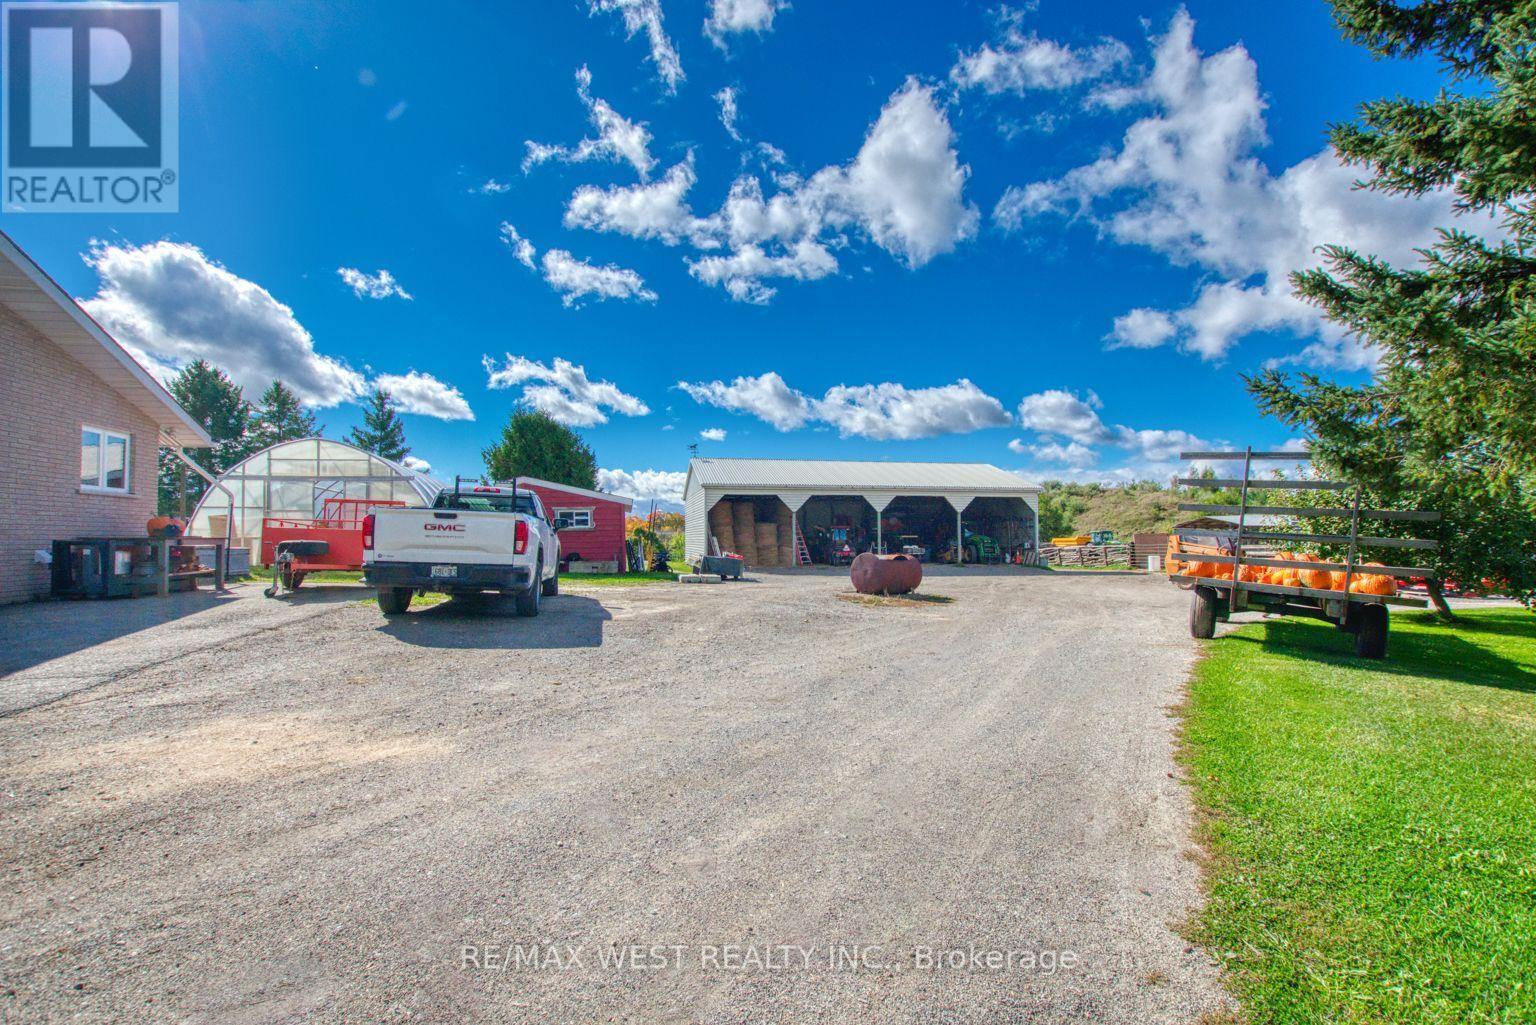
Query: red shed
<point>592,522</point>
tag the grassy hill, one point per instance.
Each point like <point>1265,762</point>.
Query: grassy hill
<point>1126,509</point>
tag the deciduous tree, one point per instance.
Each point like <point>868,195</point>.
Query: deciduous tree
<point>534,445</point>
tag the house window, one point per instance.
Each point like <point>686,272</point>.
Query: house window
<point>573,519</point>
<point>104,460</point>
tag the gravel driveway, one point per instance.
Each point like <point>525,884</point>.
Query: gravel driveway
<point>800,807</point>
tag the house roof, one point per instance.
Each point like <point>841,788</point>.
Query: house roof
<point>38,300</point>
<point>601,496</point>
<point>825,475</point>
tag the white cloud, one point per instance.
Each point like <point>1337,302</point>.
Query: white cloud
<point>1051,453</point>
<point>892,411</point>
<point>576,279</point>
<point>646,15</point>
<point>1142,328</point>
<point>742,272</point>
<point>1061,412</point>
<point>394,113</point>
<point>728,17</point>
<point>166,301</point>
<point>662,486</point>
<point>1072,425</point>
<point>563,391</point>
<point>1020,62</point>
<point>521,247</point>
<point>367,77</point>
<point>713,434</point>
<point>492,187</point>
<point>374,286</point>
<point>658,210</point>
<point>906,185</point>
<point>618,138</point>
<point>766,397</point>
<point>883,412</point>
<point>904,190</point>
<point>425,395</point>
<point>1185,183</point>
<point>416,463</point>
<point>727,99</point>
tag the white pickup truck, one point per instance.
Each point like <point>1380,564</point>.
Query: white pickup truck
<point>471,539</point>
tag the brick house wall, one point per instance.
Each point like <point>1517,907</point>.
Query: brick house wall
<point>45,399</point>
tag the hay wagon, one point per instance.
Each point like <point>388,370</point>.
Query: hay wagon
<point>1216,597</point>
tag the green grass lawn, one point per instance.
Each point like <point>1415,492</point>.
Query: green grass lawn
<point>1370,826</point>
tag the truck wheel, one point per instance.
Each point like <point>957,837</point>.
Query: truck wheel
<point>394,601</point>
<point>1202,613</point>
<point>1371,641</point>
<point>528,601</point>
<point>552,585</point>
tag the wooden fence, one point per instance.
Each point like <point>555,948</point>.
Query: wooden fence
<point>1086,555</point>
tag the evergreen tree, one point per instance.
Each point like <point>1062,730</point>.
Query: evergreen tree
<point>216,403</point>
<point>382,431</point>
<point>281,417</point>
<point>533,444</point>
<point>1446,423</point>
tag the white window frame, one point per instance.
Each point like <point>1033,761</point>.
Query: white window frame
<point>101,487</point>
<point>591,514</point>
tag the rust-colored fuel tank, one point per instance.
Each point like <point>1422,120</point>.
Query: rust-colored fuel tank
<point>885,574</point>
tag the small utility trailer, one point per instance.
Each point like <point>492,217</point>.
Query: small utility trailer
<point>1216,598</point>
<point>333,540</point>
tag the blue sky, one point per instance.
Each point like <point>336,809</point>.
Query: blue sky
<point>1048,238</point>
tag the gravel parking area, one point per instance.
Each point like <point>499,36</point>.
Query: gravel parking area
<point>255,811</point>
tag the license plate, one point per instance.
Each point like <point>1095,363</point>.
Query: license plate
<point>445,571</point>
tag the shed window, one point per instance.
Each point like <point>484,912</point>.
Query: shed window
<point>573,519</point>
<point>104,460</point>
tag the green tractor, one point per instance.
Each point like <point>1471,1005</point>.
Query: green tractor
<point>979,548</point>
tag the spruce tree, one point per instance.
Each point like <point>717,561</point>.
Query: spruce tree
<point>218,405</point>
<point>281,417</point>
<point>381,431</point>
<point>1446,423</point>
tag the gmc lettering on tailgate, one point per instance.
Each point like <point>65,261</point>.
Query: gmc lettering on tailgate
<point>454,528</point>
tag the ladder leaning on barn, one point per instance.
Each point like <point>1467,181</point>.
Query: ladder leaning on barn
<point>1364,615</point>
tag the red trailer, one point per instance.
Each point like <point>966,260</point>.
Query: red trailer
<point>332,540</point>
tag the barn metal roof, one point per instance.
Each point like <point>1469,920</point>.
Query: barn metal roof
<point>837,475</point>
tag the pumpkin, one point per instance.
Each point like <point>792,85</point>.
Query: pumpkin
<point>165,526</point>
<point>1317,579</point>
<point>1373,583</point>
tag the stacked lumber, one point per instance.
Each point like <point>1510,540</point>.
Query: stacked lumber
<point>768,544</point>
<point>721,526</point>
<point>744,522</point>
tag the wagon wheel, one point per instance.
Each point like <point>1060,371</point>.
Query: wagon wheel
<point>291,578</point>
<point>1371,637</point>
<point>1202,613</point>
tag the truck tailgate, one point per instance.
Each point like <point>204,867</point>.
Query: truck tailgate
<point>441,536</point>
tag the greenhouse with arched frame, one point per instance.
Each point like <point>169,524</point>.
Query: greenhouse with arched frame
<point>294,480</point>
